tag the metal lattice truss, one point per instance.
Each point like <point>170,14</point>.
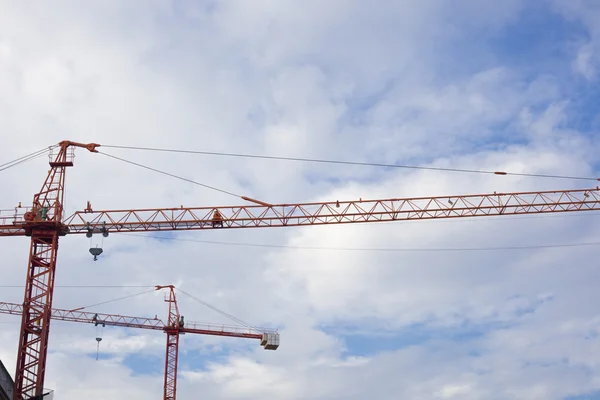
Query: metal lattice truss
<point>326,213</point>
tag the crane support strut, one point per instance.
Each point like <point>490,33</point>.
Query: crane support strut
<point>175,326</point>
<point>43,221</point>
<point>325,213</point>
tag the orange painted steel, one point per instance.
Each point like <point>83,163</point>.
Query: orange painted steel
<point>91,317</point>
<point>155,324</point>
<point>44,225</point>
<point>172,348</point>
<point>43,222</point>
<point>174,327</point>
<point>325,213</point>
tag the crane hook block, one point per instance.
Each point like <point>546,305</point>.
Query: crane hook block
<point>95,251</point>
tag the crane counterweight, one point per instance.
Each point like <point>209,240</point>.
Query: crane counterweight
<point>175,326</point>
<point>270,341</point>
<point>44,223</point>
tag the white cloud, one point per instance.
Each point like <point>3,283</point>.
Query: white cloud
<point>587,57</point>
<point>451,391</point>
<point>388,83</point>
<point>584,63</point>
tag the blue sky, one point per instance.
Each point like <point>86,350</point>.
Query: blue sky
<point>474,84</point>
<point>588,396</point>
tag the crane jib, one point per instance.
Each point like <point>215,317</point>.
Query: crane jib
<point>360,211</point>
<point>44,222</point>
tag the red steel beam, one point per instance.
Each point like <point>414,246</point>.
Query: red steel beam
<point>326,213</point>
<point>91,317</point>
<point>142,322</point>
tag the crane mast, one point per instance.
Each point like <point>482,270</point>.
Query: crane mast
<point>44,223</point>
<point>269,339</point>
<point>174,322</point>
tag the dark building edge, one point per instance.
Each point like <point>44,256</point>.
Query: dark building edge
<point>6,383</point>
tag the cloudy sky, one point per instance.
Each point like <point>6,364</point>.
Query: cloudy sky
<point>474,84</point>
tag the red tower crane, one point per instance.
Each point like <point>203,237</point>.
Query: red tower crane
<point>44,223</point>
<point>175,326</point>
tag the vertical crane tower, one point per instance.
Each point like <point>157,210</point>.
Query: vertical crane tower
<point>269,339</point>
<point>44,225</point>
<point>44,222</point>
<point>171,357</point>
